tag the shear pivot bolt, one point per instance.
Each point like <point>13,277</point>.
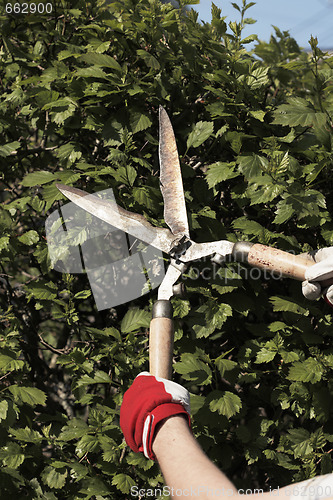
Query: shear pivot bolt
<point>179,290</point>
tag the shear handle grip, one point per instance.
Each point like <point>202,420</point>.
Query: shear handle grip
<point>271,259</point>
<point>161,337</point>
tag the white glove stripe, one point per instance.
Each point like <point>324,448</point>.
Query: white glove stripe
<point>177,392</point>
<point>146,434</point>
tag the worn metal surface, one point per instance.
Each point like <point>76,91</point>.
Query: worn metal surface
<point>131,223</point>
<point>171,182</point>
<point>174,271</point>
<point>137,226</point>
<point>200,250</point>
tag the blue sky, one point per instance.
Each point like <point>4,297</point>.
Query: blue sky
<point>302,18</point>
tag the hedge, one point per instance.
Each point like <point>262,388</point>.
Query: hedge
<point>80,91</point>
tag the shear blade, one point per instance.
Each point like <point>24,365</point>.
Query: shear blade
<point>171,182</point>
<point>131,223</point>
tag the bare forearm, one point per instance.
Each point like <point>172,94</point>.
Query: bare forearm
<point>189,473</point>
<point>186,469</point>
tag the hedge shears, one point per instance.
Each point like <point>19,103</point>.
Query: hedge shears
<point>176,242</point>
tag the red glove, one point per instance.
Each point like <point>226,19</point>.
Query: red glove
<point>147,402</point>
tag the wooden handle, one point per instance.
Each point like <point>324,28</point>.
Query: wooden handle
<point>161,336</point>
<point>283,263</point>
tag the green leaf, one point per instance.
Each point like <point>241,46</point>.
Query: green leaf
<point>249,39</point>
<point>145,197</point>
<point>134,319</point>
<point>309,370</point>
<point>26,435</point>
<point>29,238</point>
<point>61,109</point>
<point>70,153</point>
<point>266,354</point>
<point>68,177</point>
<point>87,444</point>
<point>139,460</point>
<point>288,304</point>
<point>139,121</point>
<point>9,362</point>
<point>200,134</point>
<point>298,111</point>
<point>54,478</point>
<point>258,115</point>
<point>248,5</point>
<point>181,308</point>
<point>9,148</point>
<point>50,195</point>
<point>12,455</point>
<point>252,166</point>
<point>99,377</point>
<point>259,76</point>
<point>149,59</point>
<point>262,190</point>
<point>224,365</point>
<point>228,404</point>
<point>109,448</point>
<point>60,104</point>
<point>29,395</point>
<point>84,294</point>
<point>4,242</point>
<point>92,72</point>
<point>326,464</point>
<point>3,409</point>
<point>94,488</point>
<point>289,356</point>
<point>215,316</point>
<point>75,429</point>
<point>41,291</point>
<point>193,369</point>
<point>283,212</point>
<point>126,175</point>
<point>248,226</point>
<point>219,172</point>
<point>123,482</point>
<point>301,442</point>
<point>285,461</point>
<point>38,178</point>
<point>103,60</point>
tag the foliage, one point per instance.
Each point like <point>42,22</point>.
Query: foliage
<point>80,90</point>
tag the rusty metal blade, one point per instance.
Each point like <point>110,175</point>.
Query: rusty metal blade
<point>108,211</point>
<point>175,214</point>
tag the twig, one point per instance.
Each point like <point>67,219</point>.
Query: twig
<point>4,376</point>
<point>51,348</point>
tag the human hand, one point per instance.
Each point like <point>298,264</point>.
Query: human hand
<point>322,270</point>
<point>146,403</point>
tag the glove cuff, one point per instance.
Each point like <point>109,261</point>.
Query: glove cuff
<point>329,302</point>
<point>159,414</point>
